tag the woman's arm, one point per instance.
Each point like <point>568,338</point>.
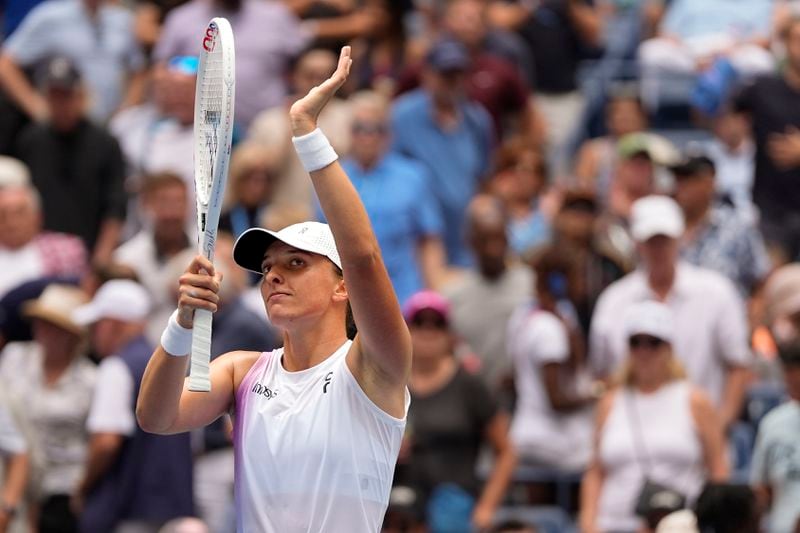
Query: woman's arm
<point>165,404</point>
<point>560,400</point>
<point>381,356</point>
<point>13,487</point>
<point>592,484</point>
<point>709,429</point>
<point>502,471</point>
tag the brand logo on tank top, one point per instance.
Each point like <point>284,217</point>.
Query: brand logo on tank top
<point>327,382</point>
<point>264,391</point>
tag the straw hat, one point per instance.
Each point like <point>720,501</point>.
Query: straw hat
<point>55,305</point>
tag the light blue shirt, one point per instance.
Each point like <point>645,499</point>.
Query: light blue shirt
<point>457,159</point>
<point>742,19</point>
<point>776,463</point>
<point>402,211</point>
<point>104,49</point>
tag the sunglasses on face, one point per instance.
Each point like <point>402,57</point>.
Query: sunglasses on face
<point>429,323</point>
<point>644,341</point>
<point>369,128</point>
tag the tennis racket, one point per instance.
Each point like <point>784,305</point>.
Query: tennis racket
<point>213,127</point>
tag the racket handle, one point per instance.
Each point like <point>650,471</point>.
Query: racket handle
<point>199,380</point>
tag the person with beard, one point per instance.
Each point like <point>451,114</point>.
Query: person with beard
<point>484,298</point>
<point>260,62</point>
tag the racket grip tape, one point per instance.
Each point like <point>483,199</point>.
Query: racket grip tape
<point>199,377</point>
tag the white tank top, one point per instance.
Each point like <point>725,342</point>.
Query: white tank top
<point>671,443</point>
<point>313,452</point>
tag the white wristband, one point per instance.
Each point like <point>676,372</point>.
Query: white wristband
<point>314,150</point>
<point>176,339</point>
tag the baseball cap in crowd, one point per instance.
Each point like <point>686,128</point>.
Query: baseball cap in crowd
<point>656,215</point>
<point>692,164</point>
<point>55,306</point>
<point>649,318</point>
<point>426,300</point>
<point>448,55</point>
<point>13,172</point>
<point>782,292</point>
<point>314,237</point>
<point>60,73</point>
<point>657,148</point>
<point>120,299</point>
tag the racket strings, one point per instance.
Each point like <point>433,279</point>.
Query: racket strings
<point>211,103</point>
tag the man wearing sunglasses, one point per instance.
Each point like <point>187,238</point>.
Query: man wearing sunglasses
<point>710,323</point>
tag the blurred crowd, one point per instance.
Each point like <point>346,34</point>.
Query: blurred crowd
<point>589,210</point>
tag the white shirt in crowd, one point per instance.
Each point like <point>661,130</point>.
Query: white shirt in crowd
<point>12,441</point>
<point>651,436</point>
<point>776,464</point>
<point>57,412</point>
<point>112,408</point>
<point>710,325</point>
<point>19,266</point>
<point>540,434</point>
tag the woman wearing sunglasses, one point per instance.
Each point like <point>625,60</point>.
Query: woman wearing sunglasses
<point>452,416</point>
<point>657,438</point>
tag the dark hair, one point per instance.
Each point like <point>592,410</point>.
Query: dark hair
<point>509,526</point>
<point>727,508</point>
<point>349,321</point>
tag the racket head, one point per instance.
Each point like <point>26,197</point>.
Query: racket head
<point>213,127</point>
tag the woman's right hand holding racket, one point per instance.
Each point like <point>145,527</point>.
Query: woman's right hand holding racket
<point>199,288</point>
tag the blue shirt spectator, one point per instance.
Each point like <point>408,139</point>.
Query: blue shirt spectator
<point>102,46</point>
<point>456,156</point>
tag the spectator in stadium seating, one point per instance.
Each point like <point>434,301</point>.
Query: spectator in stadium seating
<point>157,135</point>
<point>492,80</point>
<point>397,195</point>
<point>520,180</point>
<point>545,342</point>
<point>14,468</point>
<point>693,35</point>
<point>133,480</point>
<point>637,174</point>
<point>773,106</point>
<point>27,252</point>
<point>251,185</point>
<point>710,335</point>
<point>260,62</point>
<point>597,158</point>
<point>449,135</point>
<point>165,202</point>
<point>654,427</point>
<point>558,34</point>
<point>717,236</point>
<point>776,459</point>
<point>484,298</point>
<point>599,265</point>
<point>453,415</point>
<point>95,35</point>
<point>271,130</point>
<point>782,302</point>
<point>733,152</point>
<point>55,380</point>
<point>76,166</point>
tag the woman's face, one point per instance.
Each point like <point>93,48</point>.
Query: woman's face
<point>430,336</point>
<point>625,116</point>
<point>649,359</point>
<point>55,341</point>
<point>299,286</point>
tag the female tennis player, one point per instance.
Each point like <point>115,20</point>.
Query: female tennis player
<point>318,423</point>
